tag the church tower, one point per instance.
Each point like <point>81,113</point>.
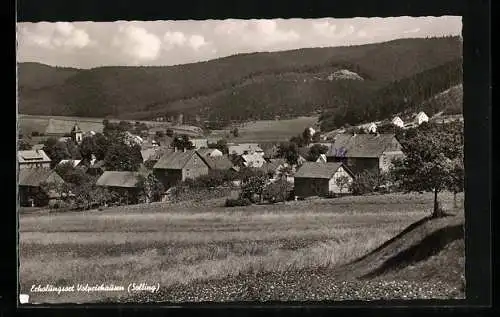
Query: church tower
<point>76,134</point>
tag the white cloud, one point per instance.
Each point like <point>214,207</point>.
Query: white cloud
<point>138,43</point>
<point>324,28</point>
<point>416,30</point>
<point>197,41</point>
<point>59,35</point>
<point>228,27</point>
<point>174,38</point>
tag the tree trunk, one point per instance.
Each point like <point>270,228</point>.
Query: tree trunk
<point>437,211</point>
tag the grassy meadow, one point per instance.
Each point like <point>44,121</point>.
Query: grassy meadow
<point>170,244</point>
<point>268,130</point>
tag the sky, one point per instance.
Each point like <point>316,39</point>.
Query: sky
<point>163,43</point>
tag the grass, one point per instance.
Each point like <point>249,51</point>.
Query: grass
<point>260,131</point>
<point>179,244</point>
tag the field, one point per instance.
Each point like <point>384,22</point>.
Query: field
<point>30,123</point>
<point>268,130</point>
<point>183,244</point>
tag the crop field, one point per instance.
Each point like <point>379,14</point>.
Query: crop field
<point>181,244</point>
<point>269,130</point>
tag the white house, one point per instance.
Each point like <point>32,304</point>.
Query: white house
<point>321,159</point>
<point>397,121</point>
<point>421,117</point>
<point>210,152</point>
<point>370,127</point>
<point>253,160</point>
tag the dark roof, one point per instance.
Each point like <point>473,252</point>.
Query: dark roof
<point>118,179</point>
<point>317,170</point>
<point>206,151</point>
<point>362,145</point>
<point>217,162</point>
<point>33,177</point>
<point>175,160</point>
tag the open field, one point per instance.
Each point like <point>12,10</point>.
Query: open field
<point>268,130</point>
<point>30,123</point>
<point>175,245</point>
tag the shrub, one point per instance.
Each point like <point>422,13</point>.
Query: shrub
<point>278,191</point>
<point>364,182</point>
<point>237,202</point>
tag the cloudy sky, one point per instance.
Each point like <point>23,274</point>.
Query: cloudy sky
<point>93,44</point>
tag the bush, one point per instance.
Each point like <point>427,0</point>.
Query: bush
<point>237,202</point>
<point>364,182</point>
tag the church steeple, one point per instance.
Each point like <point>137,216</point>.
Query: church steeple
<point>76,133</point>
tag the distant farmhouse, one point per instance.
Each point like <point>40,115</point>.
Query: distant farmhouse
<point>398,122</point>
<point>254,159</point>
<point>126,183</point>
<point>31,191</point>
<point>33,159</point>
<point>214,159</point>
<point>417,120</point>
<point>176,166</point>
<point>365,152</point>
<point>322,179</point>
<point>199,143</point>
<point>210,152</point>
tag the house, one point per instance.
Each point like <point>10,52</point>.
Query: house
<point>370,127</point>
<point>127,184</point>
<point>322,179</point>
<point>254,159</point>
<point>33,159</point>
<point>322,158</point>
<point>275,167</point>
<point>245,148</point>
<point>31,191</point>
<point>37,147</point>
<point>421,117</point>
<point>199,143</point>
<point>217,162</point>
<point>176,166</point>
<point>397,121</point>
<point>210,152</point>
<point>365,152</point>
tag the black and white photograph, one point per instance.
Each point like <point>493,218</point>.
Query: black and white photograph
<point>240,160</point>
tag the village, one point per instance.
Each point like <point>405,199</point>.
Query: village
<point>321,165</point>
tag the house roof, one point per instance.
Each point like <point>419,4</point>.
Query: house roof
<point>72,162</point>
<point>273,164</point>
<point>97,164</point>
<point>175,159</point>
<point>361,145</point>
<point>206,151</point>
<point>29,156</point>
<point>33,177</point>
<point>241,148</point>
<point>118,179</point>
<point>217,162</point>
<point>317,170</point>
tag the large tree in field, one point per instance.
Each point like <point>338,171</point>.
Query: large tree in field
<point>433,161</point>
<point>316,150</point>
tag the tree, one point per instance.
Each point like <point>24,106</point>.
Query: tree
<point>123,157</point>
<point>289,151</point>
<point>316,150</point>
<point>87,147</point>
<point>101,144</point>
<point>23,145</point>
<point>253,186</point>
<point>56,150</point>
<point>71,174</point>
<point>151,188</point>
<point>316,137</point>
<point>235,132</point>
<point>433,162</point>
<point>342,182</point>
<point>306,136</point>
<point>182,142</point>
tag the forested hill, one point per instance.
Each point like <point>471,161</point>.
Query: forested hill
<point>240,87</point>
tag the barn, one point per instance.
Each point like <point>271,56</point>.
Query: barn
<point>322,179</point>
<point>31,190</point>
<point>125,183</point>
<point>174,167</point>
